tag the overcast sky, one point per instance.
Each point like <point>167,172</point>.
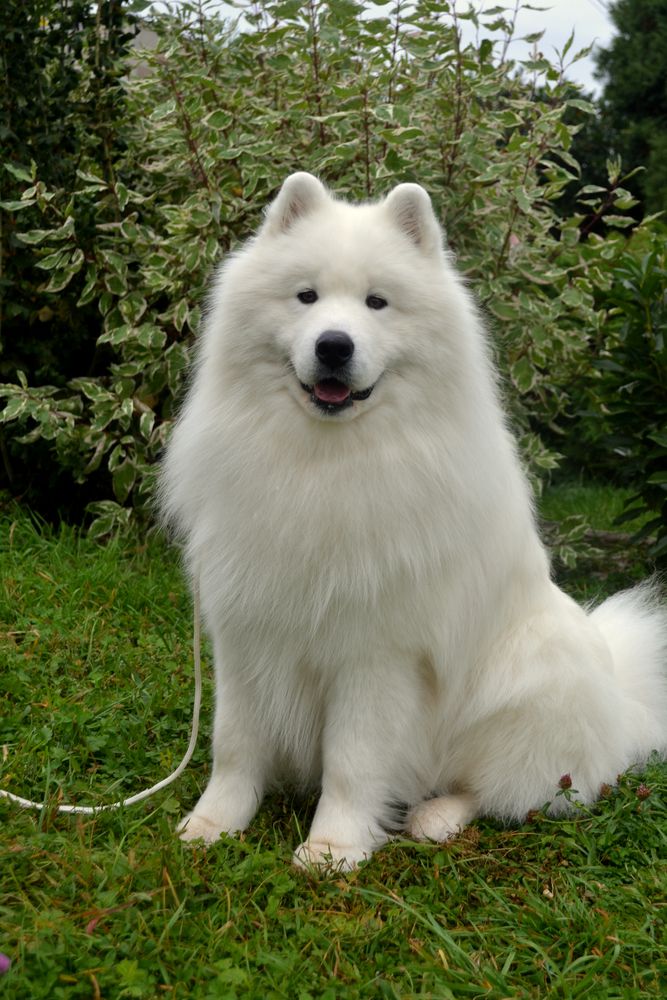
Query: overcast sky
<point>590,21</point>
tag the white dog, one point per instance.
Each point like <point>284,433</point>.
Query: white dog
<point>382,615</point>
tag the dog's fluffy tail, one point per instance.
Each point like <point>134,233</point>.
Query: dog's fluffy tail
<point>634,625</point>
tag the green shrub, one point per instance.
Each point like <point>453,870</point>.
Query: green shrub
<point>60,102</point>
<point>626,411</point>
<point>364,101</point>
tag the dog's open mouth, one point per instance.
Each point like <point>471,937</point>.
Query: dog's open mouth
<point>331,395</point>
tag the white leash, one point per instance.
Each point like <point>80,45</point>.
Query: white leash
<point>140,796</point>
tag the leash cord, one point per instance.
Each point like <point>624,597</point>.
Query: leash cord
<point>147,792</point>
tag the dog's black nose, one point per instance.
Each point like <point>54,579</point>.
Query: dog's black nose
<point>334,348</point>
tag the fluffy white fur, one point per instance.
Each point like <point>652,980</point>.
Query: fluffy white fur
<point>382,615</point>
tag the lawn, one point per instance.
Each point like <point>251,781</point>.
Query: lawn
<point>95,702</point>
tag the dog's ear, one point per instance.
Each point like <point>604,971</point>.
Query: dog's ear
<point>300,194</point>
<point>410,207</point>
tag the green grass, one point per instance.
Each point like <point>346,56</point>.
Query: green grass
<point>95,702</point>
<point>598,503</point>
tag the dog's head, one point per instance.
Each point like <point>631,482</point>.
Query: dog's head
<point>349,296</point>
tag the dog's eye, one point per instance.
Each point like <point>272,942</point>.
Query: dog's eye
<point>376,302</point>
<point>307,296</point>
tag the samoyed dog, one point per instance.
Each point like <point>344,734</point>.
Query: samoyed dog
<point>383,620</point>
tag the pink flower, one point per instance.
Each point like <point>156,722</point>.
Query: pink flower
<point>565,781</point>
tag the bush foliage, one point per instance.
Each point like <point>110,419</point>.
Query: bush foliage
<point>627,402</point>
<point>365,95</point>
<point>61,61</point>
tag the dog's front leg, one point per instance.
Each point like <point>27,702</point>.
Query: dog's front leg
<point>238,777</point>
<point>344,831</point>
<point>367,737</point>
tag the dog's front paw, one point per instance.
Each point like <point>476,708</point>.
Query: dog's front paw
<point>322,856</point>
<point>194,826</point>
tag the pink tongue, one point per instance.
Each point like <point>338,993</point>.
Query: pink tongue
<point>331,391</point>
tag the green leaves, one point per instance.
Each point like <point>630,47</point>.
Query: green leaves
<point>524,374</point>
<point>399,136</point>
<point>626,404</point>
<point>22,173</point>
<point>56,235</point>
<point>132,307</point>
<point>17,206</point>
<point>219,119</point>
<point>209,133</point>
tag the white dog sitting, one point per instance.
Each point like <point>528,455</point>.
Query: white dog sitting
<point>382,614</point>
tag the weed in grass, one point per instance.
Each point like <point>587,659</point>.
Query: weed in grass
<point>95,700</point>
